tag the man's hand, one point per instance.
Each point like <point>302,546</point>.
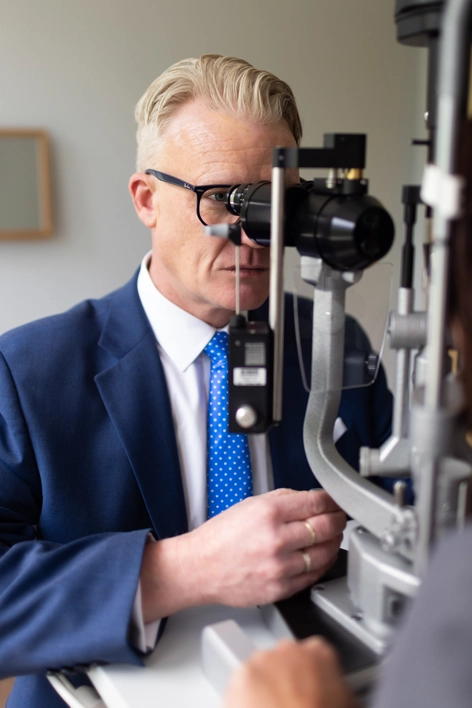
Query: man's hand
<point>304,675</point>
<point>259,551</point>
<point>253,552</point>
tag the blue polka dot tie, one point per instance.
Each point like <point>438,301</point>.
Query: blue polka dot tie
<point>229,476</point>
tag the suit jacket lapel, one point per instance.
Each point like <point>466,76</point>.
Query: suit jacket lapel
<point>134,391</point>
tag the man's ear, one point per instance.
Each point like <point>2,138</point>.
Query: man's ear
<point>144,198</point>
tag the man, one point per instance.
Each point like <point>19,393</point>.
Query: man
<point>103,432</point>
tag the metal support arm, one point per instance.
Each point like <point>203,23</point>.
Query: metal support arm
<point>361,499</point>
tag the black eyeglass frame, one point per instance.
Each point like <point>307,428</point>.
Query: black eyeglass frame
<point>198,190</point>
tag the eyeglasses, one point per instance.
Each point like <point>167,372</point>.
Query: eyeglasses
<point>211,199</point>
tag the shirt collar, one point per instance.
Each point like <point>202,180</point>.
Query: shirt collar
<point>181,335</point>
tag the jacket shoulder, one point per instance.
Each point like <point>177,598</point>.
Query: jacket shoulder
<point>48,333</point>
<point>62,334</point>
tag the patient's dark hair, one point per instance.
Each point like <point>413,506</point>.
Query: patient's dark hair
<point>460,273</point>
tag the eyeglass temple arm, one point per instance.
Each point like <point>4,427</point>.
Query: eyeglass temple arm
<point>170,179</point>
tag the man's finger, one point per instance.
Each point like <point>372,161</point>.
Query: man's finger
<point>313,560</point>
<point>298,506</point>
<point>303,580</point>
<point>317,557</point>
<point>312,531</point>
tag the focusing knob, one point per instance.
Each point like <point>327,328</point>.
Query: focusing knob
<point>246,416</point>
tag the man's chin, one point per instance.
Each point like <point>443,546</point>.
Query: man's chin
<point>252,302</point>
<point>251,296</point>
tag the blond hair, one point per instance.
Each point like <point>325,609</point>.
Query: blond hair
<point>223,84</point>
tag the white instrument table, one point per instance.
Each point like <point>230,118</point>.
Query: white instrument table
<point>173,677</point>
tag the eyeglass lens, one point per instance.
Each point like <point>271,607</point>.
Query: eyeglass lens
<point>213,207</point>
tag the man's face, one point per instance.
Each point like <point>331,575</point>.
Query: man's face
<point>195,271</point>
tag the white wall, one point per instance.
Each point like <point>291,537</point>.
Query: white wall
<point>77,68</point>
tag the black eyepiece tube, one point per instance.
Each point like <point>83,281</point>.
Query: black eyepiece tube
<point>252,203</point>
<point>348,231</point>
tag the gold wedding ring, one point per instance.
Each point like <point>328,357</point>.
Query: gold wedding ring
<point>312,533</point>
<point>307,561</point>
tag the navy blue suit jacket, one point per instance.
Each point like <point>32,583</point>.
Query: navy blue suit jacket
<point>89,463</point>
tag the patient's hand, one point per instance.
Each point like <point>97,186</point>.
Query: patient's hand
<point>293,675</point>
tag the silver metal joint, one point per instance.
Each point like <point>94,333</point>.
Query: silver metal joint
<point>402,533</point>
<point>332,178</point>
<point>408,331</point>
<point>246,416</point>
<point>399,492</point>
<point>369,462</point>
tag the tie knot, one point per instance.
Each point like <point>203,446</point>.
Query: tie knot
<point>217,348</point>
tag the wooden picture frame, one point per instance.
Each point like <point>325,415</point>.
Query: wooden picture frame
<point>25,185</point>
